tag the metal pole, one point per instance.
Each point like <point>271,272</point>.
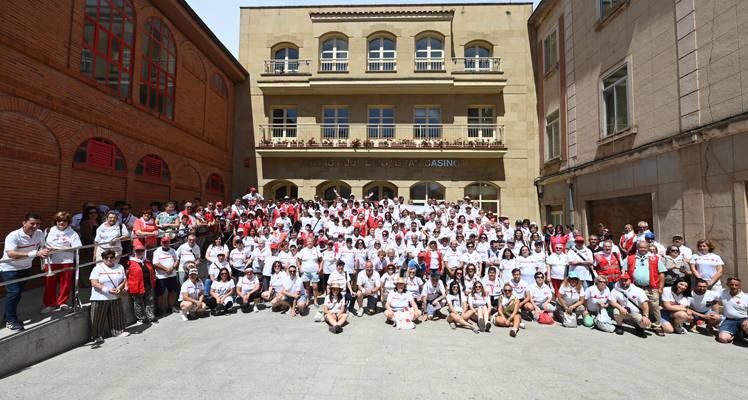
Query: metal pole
<point>77,306</point>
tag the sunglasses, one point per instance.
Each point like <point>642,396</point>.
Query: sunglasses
<point>507,290</point>
<point>108,258</point>
<point>224,274</point>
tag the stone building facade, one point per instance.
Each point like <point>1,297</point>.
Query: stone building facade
<point>422,101</point>
<point>641,111</point>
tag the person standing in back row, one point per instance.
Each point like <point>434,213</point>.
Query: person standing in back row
<point>21,247</point>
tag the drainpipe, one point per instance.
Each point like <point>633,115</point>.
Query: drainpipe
<point>570,215</point>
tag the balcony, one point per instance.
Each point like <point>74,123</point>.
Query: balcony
<point>287,67</point>
<point>333,65</point>
<point>381,65</point>
<point>332,138</point>
<point>476,65</point>
<point>429,64</point>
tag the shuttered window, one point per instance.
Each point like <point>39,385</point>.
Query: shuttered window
<point>214,184</point>
<point>100,153</point>
<point>153,167</point>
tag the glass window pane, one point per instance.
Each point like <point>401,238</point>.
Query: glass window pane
<point>418,191</point>
<point>388,112</point>
<point>388,44</point>
<point>422,44</point>
<point>327,45</point>
<point>293,54</point>
<point>473,191</point>
<point>621,106</point>
<point>374,113</point>
<point>101,70</point>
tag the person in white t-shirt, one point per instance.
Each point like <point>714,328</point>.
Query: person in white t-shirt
<point>109,236</point>
<point>675,305</point>
<point>248,291</point>
<point>459,311</point>
<point>188,252</point>
<point>703,307</point>
<point>108,280</point>
<point>369,284</point>
<point>735,309</point>
<point>221,292</point>
<point>292,295</point>
<point>388,280</point>
<point>707,265</point>
<point>433,295</point>
<point>557,263</point>
<point>59,238</point>
<point>508,313</point>
<point>192,296</point>
<point>540,295</point>
<point>571,298</point>
<point>597,297</point>
<point>164,264</point>
<point>309,263</point>
<point>238,259</point>
<point>581,260</point>
<point>274,282</point>
<point>400,300</point>
<point>480,303</point>
<point>334,308</point>
<point>630,305</point>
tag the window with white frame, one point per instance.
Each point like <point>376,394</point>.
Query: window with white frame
<point>382,55</point>
<point>481,122</point>
<point>286,60</point>
<point>550,51</point>
<point>427,123</point>
<point>486,194</point>
<point>478,57</point>
<point>556,215</point>
<point>616,100</point>
<point>335,122</point>
<point>422,192</point>
<point>552,137</point>
<point>429,54</point>
<point>381,123</point>
<point>283,122</point>
<point>334,55</point>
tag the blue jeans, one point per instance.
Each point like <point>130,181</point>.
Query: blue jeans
<point>13,292</point>
<point>207,283</point>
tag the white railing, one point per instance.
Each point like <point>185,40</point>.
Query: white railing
<point>477,64</point>
<point>430,64</point>
<point>354,135</point>
<point>333,65</point>
<point>286,67</point>
<point>381,65</point>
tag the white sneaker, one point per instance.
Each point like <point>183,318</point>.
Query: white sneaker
<point>47,310</point>
<point>522,325</point>
<point>64,307</point>
<point>318,317</point>
<point>257,309</point>
<point>184,317</point>
<point>124,334</point>
<point>360,312</point>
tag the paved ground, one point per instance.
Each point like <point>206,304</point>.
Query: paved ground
<point>267,355</point>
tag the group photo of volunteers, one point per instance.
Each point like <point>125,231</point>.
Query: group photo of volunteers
<point>332,262</point>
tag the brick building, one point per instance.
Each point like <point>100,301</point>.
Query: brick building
<point>108,100</point>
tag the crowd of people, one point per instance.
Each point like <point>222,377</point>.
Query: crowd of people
<point>448,261</point>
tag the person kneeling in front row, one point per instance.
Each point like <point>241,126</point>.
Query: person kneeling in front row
<point>630,305</point>
<point>192,296</point>
<point>248,291</point>
<point>735,304</point>
<point>334,308</point>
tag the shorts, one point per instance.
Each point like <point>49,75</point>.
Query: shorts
<point>290,300</point>
<point>170,285</point>
<point>666,316</point>
<point>708,312</point>
<point>312,277</point>
<point>731,326</point>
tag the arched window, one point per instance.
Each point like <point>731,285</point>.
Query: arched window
<point>158,73</point>
<point>380,190</point>
<point>382,54</point>
<point>429,53</point>
<point>101,154</point>
<point>214,184</point>
<point>285,60</point>
<point>485,194</point>
<point>478,57</point>
<point>219,86</point>
<point>327,190</point>
<point>422,192</point>
<point>108,40</point>
<point>279,189</point>
<point>153,167</point>
<point>334,55</point>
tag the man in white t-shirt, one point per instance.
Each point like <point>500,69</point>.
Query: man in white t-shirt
<point>309,262</point>
<point>165,262</point>
<point>292,295</point>
<point>703,307</point>
<point>368,283</point>
<point>434,295</point>
<point>188,252</point>
<point>630,305</point>
<point>581,260</point>
<point>735,309</point>
<point>22,246</point>
<point>192,296</point>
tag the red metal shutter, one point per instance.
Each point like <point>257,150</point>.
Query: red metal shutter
<point>100,154</point>
<point>152,167</point>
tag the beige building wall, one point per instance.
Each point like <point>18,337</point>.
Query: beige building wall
<point>501,27</point>
<point>688,132</point>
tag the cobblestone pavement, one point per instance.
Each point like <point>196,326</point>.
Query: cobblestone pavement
<point>268,355</point>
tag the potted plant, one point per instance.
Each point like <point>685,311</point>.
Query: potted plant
<point>368,143</point>
<point>311,142</point>
<point>327,143</point>
<point>355,143</point>
<point>264,142</point>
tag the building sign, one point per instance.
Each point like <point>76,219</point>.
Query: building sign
<point>444,169</point>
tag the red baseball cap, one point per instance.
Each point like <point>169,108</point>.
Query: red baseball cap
<point>625,275</point>
<point>139,246</point>
<point>165,239</point>
<point>219,204</point>
<point>579,238</point>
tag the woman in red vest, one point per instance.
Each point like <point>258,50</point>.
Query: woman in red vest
<point>140,283</point>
